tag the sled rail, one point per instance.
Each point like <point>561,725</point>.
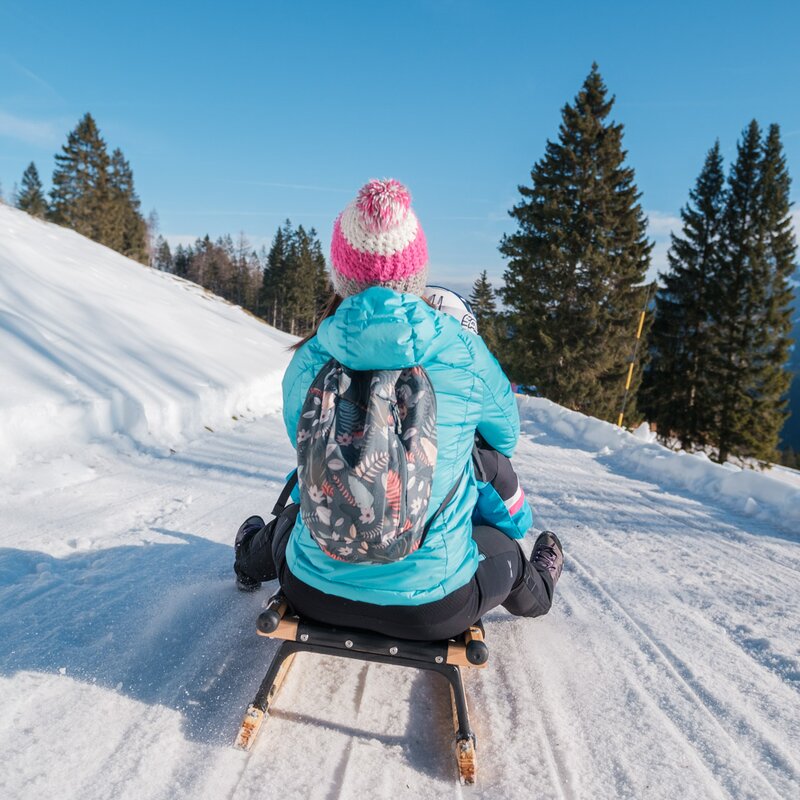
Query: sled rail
<point>446,657</point>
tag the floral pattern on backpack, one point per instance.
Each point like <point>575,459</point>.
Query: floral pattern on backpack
<point>366,453</point>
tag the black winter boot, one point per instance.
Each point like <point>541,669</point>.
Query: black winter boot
<point>549,555</point>
<point>246,531</point>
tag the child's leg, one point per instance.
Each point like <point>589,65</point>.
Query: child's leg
<point>507,578</point>
<point>261,556</point>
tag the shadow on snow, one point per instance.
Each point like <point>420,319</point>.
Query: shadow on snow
<point>163,624</point>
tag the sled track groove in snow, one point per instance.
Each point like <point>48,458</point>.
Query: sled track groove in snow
<point>694,692</point>
<point>780,668</point>
<point>340,773</point>
<point>528,711</point>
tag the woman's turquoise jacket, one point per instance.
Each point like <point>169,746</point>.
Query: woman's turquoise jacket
<point>381,329</point>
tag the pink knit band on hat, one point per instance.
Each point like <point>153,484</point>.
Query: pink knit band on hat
<point>375,267</point>
<point>378,241</point>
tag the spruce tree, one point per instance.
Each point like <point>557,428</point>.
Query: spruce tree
<point>485,310</point>
<point>30,196</point>
<point>676,391</point>
<point>751,314</point>
<point>309,280</point>
<point>182,260</point>
<point>295,287</point>
<point>322,284</point>
<point>80,193</point>
<point>577,262</point>
<point>271,300</point>
<point>300,285</point>
<point>126,229</point>
<point>162,257</point>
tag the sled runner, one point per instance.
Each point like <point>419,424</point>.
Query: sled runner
<point>445,657</point>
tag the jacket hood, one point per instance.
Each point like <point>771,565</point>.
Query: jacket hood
<point>383,329</point>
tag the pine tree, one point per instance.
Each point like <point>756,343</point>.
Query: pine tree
<point>676,391</point>
<point>295,287</point>
<point>181,261</point>
<point>30,197</point>
<point>751,314</point>
<point>310,281</point>
<point>125,228</point>
<point>482,300</point>
<point>80,193</point>
<point>162,257</point>
<point>322,284</point>
<point>271,299</point>
<point>577,262</point>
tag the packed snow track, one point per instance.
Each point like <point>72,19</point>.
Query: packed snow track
<point>668,666</point>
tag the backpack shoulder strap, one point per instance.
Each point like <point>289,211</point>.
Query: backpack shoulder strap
<point>286,492</point>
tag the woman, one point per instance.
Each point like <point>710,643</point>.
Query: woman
<point>379,321</point>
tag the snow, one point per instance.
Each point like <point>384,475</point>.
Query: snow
<point>95,346</point>
<point>773,496</point>
<point>669,663</point>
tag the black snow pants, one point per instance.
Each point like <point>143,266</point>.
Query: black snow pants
<point>504,577</point>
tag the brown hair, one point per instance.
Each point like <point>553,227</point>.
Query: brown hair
<point>329,311</point>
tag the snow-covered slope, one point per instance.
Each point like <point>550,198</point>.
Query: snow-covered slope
<point>93,345</point>
<point>670,664</point>
<point>773,496</point>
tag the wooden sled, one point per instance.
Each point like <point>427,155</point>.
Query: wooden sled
<point>446,657</point>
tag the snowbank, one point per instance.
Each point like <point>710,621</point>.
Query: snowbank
<point>638,453</point>
<point>96,347</point>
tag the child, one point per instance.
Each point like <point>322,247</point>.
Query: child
<point>379,323</point>
<point>501,501</point>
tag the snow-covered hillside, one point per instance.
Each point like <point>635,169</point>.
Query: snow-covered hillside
<point>670,664</point>
<point>94,345</point>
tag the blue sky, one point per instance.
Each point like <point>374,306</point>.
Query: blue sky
<point>235,116</point>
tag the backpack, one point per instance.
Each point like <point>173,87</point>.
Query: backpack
<point>366,452</point>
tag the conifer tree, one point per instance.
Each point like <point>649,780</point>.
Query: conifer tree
<point>577,262</point>
<point>80,193</point>
<point>482,300</point>
<point>181,261</point>
<point>94,194</point>
<point>322,284</point>
<point>676,391</point>
<point>162,257</point>
<point>790,433</point>
<point>295,287</point>
<point>271,300</point>
<point>126,229</point>
<point>310,280</point>
<point>751,314</point>
<point>30,196</point>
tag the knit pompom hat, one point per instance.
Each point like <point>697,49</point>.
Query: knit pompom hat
<point>378,241</point>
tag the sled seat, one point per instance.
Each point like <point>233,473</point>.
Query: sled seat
<point>467,650</point>
<point>445,657</point>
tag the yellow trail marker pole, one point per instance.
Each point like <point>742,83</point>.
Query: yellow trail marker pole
<point>632,363</point>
